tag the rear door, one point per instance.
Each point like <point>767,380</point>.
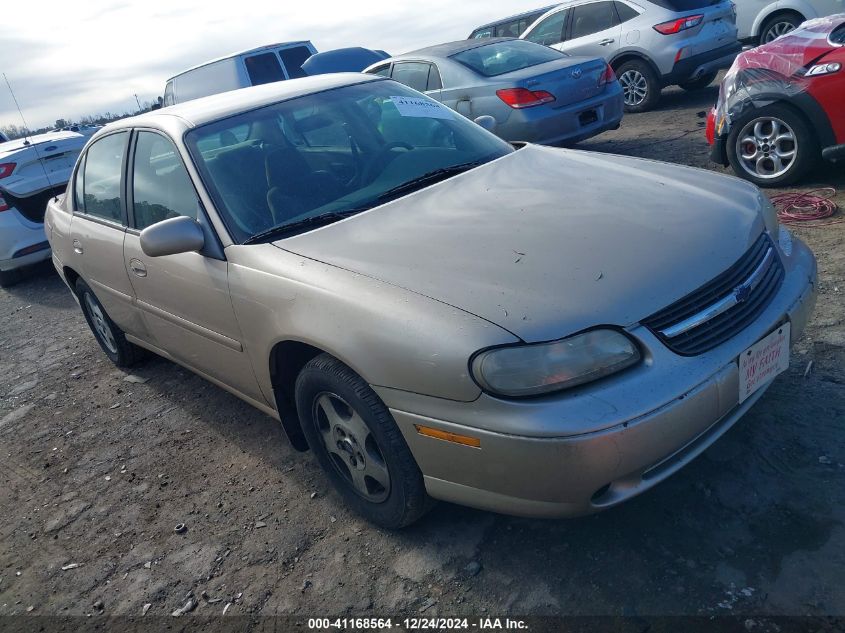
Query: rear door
<point>594,30</point>
<point>184,298</point>
<point>98,229</point>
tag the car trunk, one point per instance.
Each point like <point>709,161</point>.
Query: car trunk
<point>32,207</point>
<point>569,79</point>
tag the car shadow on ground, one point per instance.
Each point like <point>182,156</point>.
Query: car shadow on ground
<point>41,284</point>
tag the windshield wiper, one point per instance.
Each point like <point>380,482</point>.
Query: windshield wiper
<point>305,223</point>
<point>428,178</point>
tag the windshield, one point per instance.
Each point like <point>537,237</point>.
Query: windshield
<point>331,154</point>
<point>499,58</point>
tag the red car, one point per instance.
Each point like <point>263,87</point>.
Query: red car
<point>782,105</point>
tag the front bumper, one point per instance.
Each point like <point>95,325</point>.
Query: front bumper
<point>600,445</point>
<point>545,125</point>
<point>692,68</point>
<point>22,242</point>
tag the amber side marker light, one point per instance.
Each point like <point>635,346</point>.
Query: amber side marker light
<point>448,437</point>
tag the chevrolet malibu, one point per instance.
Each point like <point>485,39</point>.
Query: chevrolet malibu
<point>435,313</point>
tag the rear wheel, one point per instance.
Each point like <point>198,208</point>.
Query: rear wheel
<point>700,83</point>
<point>640,86</point>
<point>358,444</point>
<point>778,25</point>
<point>110,337</point>
<point>772,146</point>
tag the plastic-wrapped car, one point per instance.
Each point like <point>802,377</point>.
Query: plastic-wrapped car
<point>780,105</point>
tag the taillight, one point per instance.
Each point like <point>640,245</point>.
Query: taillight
<point>710,128</point>
<point>6,169</point>
<point>607,77</point>
<point>676,26</point>
<point>523,98</point>
<point>4,206</point>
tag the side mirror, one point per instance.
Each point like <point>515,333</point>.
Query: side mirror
<point>172,236</point>
<point>487,122</point>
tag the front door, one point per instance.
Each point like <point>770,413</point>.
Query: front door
<point>184,298</point>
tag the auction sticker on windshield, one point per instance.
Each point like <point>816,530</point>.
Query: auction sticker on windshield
<point>409,106</point>
<point>763,361</point>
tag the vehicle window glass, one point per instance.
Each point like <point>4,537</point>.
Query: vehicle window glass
<point>550,30</point>
<point>592,18</point>
<point>625,12</point>
<point>169,98</point>
<point>508,29</point>
<point>101,185</point>
<point>383,71</point>
<point>838,36</point>
<point>229,136</point>
<point>412,74</point>
<point>79,185</point>
<point>482,33</point>
<point>684,5</point>
<point>293,58</point>
<point>434,81</point>
<point>505,57</point>
<point>276,178</point>
<point>264,69</point>
<point>161,188</point>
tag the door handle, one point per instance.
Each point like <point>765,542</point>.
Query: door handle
<point>77,247</point>
<point>606,42</point>
<point>137,267</point>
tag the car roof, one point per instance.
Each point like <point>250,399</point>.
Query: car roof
<point>452,48</point>
<point>515,17</point>
<point>224,104</point>
<point>257,49</point>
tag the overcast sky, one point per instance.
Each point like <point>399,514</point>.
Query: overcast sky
<point>68,59</point>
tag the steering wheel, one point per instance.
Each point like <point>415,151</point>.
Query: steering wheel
<point>372,163</point>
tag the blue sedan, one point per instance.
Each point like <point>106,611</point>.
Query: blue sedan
<point>534,93</point>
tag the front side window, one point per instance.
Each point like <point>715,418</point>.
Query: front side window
<point>161,187</point>
<point>382,141</point>
<point>412,74</point>
<point>592,18</point>
<point>293,58</point>
<point>102,178</point>
<point>264,69</point>
<point>491,60</point>
<point>550,30</point>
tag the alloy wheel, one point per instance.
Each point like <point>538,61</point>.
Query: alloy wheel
<point>352,447</point>
<point>101,326</point>
<point>634,87</point>
<point>767,147</point>
<point>777,29</point>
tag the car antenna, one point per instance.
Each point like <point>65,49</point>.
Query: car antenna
<point>26,140</point>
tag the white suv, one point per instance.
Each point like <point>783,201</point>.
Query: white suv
<point>761,21</point>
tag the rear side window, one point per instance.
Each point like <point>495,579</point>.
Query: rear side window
<point>382,71</point>
<point>79,185</point>
<point>264,69</point>
<point>293,58</point>
<point>101,181</point>
<point>505,57</point>
<point>412,74</point>
<point>683,5</point>
<point>482,33</point>
<point>592,18</point>
<point>550,30</point>
<point>508,29</point>
<point>625,12</point>
<point>169,97</point>
<point>161,188</point>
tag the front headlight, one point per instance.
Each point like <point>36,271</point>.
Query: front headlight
<point>530,370</point>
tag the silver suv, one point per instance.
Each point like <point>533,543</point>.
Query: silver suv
<point>649,43</point>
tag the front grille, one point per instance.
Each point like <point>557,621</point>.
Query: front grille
<point>686,326</point>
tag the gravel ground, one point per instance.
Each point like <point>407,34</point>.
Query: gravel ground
<point>96,471</point>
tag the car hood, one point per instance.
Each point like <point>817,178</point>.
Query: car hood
<point>547,242</point>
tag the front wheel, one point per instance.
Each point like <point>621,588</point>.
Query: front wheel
<point>358,444</point>
<point>772,146</point>
<point>640,85</point>
<point>700,83</point>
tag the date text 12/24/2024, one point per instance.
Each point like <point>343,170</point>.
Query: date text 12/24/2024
<point>416,624</point>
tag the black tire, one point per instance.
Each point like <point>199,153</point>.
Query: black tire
<point>634,101</point>
<point>779,24</point>
<point>806,146</point>
<point>326,379</point>
<point>120,351</point>
<point>10,277</point>
<point>700,83</point>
